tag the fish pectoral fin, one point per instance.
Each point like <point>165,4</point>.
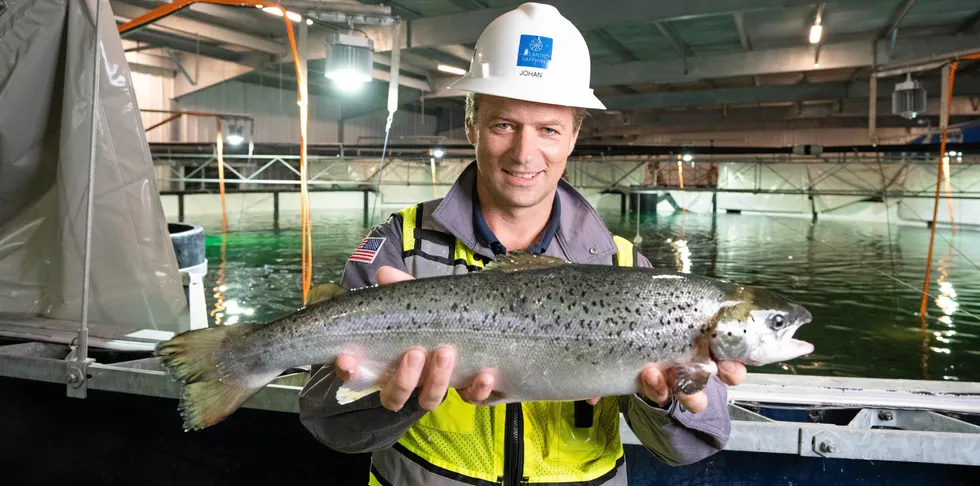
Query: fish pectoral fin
<point>324,291</point>
<point>347,395</point>
<point>690,378</point>
<point>522,260</point>
<point>363,385</point>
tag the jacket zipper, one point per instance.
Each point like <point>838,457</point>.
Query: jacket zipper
<point>514,445</point>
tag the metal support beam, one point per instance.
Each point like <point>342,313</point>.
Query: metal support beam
<point>743,33</point>
<point>465,27</point>
<point>969,23</point>
<point>674,38</point>
<point>843,55</point>
<point>194,29</point>
<point>173,57</point>
<point>897,17</point>
<point>873,110</point>
<point>781,93</point>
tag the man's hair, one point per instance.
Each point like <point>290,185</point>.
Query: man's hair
<point>473,106</point>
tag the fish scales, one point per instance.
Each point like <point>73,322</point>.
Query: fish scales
<point>541,330</point>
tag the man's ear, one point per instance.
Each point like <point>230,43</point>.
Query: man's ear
<point>471,134</point>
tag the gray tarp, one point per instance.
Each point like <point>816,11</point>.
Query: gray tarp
<point>46,55</point>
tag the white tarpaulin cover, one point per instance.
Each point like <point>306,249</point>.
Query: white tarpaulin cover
<point>46,56</point>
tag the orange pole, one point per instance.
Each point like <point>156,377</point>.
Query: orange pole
<point>164,122</point>
<point>165,10</point>
<point>935,207</point>
<point>221,179</point>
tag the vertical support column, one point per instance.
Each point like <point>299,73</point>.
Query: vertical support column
<point>366,206</point>
<point>275,208</point>
<point>180,207</point>
<point>873,111</point>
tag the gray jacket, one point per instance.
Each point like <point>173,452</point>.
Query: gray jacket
<point>672,434</point>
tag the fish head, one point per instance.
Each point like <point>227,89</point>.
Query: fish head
<point>755,326</point>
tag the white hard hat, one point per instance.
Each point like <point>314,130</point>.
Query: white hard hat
<point>532,53</point>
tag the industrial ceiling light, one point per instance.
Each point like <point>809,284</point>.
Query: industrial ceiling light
<point>350,61</point>
<point>451,70</point>
<point>815,31</point>
<point>438,152</point>
<point>909,98</point>
<point>236,133</point>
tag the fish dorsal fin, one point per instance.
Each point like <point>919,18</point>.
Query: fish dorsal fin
<point>522,260</point>
<point>324,291</point>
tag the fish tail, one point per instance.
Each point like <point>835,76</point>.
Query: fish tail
<point>207,395</point>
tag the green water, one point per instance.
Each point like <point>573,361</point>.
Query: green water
<point>862,281</point>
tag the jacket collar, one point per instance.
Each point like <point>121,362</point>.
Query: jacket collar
<point>582,235</point>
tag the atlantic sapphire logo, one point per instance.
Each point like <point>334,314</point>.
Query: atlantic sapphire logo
<point>534,51</point>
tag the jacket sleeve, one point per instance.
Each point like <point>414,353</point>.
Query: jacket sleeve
<point>673,434</point>
<point>364,425</point>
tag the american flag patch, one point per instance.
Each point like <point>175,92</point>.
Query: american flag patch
<point>367,250</point>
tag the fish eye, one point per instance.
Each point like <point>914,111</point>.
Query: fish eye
<point>777,321</point>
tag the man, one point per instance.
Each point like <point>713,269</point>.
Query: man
<point>527,90</point>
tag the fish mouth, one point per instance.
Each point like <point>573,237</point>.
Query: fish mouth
<point>798,347</point>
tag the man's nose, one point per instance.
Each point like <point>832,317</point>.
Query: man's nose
<point>525,146</point>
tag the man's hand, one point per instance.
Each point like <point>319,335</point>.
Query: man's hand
<point>431,371</point>
<point>656,386</point>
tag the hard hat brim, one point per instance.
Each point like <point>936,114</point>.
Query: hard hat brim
<point>527,91</point>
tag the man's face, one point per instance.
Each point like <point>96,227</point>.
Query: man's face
<point>521,150</point>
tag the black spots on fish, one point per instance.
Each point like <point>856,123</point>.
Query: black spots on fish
<point>561,299</point>
<point>690,326</point>
<point>534,318</point>
<point>581,323</point>
<point>714,335</point>
<point>583,293</point>
<point>619,333</point>
<point>664,346</point>
<point>632,325</point>
<point>602,304</point>
<point>729,333</point>
<point>610,322</point>
<point>595,303</point>
<point>408,306</point>
<point>745,331</point>
<point>388,327</point>
<point>455,307</point>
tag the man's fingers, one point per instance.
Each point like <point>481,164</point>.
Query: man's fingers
<point>479,390</point>
<point>593,400</point>
<point>436,382</point>
<point>399,388</point>
<point>387,275</point>
<point>654,385</point>
<point>693,403</point>
<point>731,373</point>
<point>346,367</point>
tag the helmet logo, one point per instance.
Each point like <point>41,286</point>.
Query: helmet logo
<point>534,51</point>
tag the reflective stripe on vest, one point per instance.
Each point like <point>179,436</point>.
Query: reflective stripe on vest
<point>459,443</point>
